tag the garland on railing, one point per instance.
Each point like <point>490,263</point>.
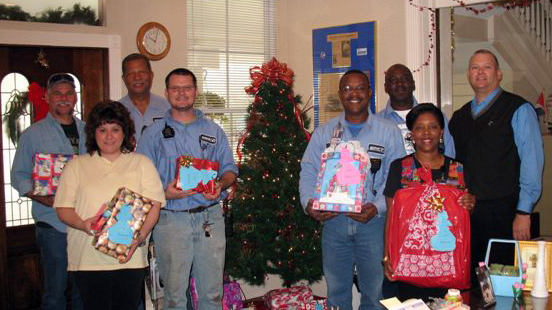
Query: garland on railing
<point>433,30</point>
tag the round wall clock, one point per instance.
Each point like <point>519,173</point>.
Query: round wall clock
<point>153,40</point>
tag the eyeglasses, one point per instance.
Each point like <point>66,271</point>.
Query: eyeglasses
<point>176,89</point>
<point>57,78</point>
<point>350,89</point>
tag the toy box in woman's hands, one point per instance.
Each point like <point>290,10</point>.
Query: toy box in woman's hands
<point>46,172</point>
<point>119,221</point>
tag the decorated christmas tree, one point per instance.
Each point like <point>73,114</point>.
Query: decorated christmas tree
<point>272,235</point>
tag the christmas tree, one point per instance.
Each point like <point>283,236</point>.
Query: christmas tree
<point>272,234</point>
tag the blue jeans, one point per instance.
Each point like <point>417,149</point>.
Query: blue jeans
<point>53,256</point>
<point>346,243</point>
<point>181,244</point>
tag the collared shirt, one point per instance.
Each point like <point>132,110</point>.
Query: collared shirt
<point>186,140</point>
<point>390,114</point>
<point>156,110</point>
<point>528,139</point>
<point>45,136</point>
<point>87,182</point>
<point>376,132</point>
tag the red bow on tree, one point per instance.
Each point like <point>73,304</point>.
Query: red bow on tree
<point>271,71</point>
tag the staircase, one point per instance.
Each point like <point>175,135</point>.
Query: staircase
<point>523,36</point>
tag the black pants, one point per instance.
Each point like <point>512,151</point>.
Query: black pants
<point>111,289</point>
<point>492,219</point>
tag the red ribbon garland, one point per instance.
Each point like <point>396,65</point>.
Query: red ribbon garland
<point>270,72</point>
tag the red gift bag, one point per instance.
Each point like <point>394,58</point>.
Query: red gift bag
<point>429,237</point>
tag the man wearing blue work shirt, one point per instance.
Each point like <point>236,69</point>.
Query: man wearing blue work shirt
<point>58,133</point>
<point>498,139</point>
<point>353,239</point>
<point>400,86</point>
<point>189,235</point>
<point>144,107</point>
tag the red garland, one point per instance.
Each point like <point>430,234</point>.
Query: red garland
<point>508,5</point>
<point>270,72</point>
<point>36,97</point>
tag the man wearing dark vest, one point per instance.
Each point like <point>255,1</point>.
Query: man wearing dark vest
<point>497,137</point>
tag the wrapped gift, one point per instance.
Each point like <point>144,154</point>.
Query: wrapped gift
<point>232,297</point>
<point>46,172</point>
<point>295,297</point>
<point>341,178</point>
<point>119,221</point>
<point>196,173</point>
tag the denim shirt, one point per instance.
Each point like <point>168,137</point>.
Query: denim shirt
<point>45,136</point>
<point>390,114</point>
<point>376,132</point>
<point>157,108</point>
<point>201,138</point>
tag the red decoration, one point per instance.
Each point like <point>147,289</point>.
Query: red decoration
<point>270,72</point>
<point>37,94</point>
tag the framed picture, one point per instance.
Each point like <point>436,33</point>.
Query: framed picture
<point>529,255</point>
<point>487,292</point>
<point>335,51</point>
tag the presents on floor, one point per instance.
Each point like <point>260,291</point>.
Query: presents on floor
<point>196,173</point>
<point>341,178</point>
<point>232,298</point>
<point>46,172</point>
<point>295,297</point>
<point>258,303</point>
<point>119,222</point>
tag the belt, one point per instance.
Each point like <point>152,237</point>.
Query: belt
<point>192,210</point>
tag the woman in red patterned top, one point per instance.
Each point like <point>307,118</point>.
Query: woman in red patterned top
<point>425,122</point>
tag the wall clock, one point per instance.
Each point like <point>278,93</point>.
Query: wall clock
<point>153,40</point>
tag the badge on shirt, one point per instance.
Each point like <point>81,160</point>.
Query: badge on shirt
<point>378,149</point>
<point>208,139</point>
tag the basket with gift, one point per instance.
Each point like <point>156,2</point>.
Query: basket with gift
<point>46,172</point>
<point>196,173</point>
<point>119,222</point>
<point>341,178</point>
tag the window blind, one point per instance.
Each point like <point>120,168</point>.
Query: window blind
<point>225,38</point>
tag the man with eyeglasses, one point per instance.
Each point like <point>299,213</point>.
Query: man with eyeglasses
<point>353,239</point>
<point>58,133</point>
<point>144,107</point>
<point>400,86</point>
<point>189,236</point>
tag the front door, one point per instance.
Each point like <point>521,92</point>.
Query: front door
<point>20,270</point>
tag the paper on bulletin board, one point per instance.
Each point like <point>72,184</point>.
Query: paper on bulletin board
<point>335,51</point>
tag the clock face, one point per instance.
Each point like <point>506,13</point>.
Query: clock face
<point>155,41</point>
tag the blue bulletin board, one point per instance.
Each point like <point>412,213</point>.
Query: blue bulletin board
<point>335,51</point>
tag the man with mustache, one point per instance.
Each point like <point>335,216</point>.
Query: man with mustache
<point>497,137</point>
<point>144,107</point>
<point>400,86</point>
<point>353,239</point>
<point>58,133</point>
<point>189,236</point>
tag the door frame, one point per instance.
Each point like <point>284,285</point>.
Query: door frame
<point>58,39</point>
<point>431,76</point>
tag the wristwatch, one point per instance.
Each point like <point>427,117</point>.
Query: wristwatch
<point>385,260</point>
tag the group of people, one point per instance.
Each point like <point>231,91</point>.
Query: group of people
<point>135,143</point>
<point>493,142</point>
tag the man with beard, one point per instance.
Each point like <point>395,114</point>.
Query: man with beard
<point>189,236</point>
<point>400,86</point>
<point>58,133</point>
<point>353,239</point>
<point>144,107</point>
